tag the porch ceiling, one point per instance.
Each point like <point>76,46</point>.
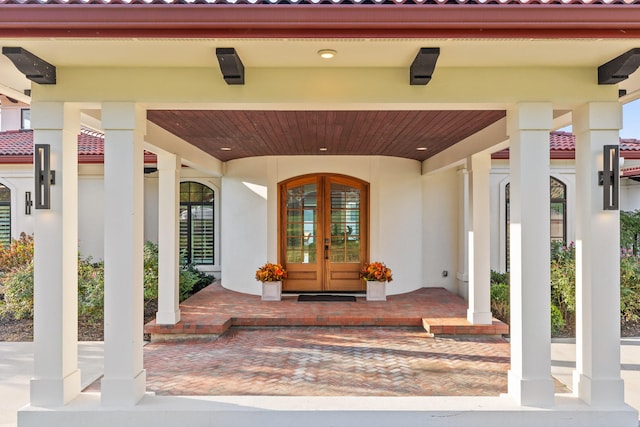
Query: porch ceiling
<point>229,135</point>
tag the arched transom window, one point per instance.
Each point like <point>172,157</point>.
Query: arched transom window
<point>196,224</point>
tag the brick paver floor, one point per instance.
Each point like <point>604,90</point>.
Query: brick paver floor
<point>329,361</point>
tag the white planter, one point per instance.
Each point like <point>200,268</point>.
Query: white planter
<point>376,291</point>
<point>271,291</point>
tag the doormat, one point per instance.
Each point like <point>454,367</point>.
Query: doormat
<point>315,298</point>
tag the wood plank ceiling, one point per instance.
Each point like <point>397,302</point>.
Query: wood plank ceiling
<point>229,135</point>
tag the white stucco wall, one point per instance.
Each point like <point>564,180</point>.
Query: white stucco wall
<point>91,211</point>
<point>249,220</point>
<point>441,203</point>
<point>10,118</point>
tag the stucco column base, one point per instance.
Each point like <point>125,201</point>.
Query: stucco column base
<point>43,390</point>
<point>125,391</point>
<point>479,318</point>
<point>167,317</point>
<point>599,392</point>
<point>536,392</point>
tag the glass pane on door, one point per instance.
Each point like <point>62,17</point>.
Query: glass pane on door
<point>345,224</point>
<point>302,223</point>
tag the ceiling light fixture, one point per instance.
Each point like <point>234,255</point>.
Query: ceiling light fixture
<point>225,148</point>
<point>324,149</point>
<point>421,148</point>
<point>327,53</point>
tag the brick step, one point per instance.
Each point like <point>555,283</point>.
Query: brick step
<point>218,326</point>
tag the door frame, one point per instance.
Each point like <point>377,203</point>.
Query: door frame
<point>322,179</point>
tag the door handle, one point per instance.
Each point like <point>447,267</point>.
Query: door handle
<point>326,248</point>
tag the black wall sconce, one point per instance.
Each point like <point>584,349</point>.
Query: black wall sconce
<point>609,178</point>
<point>27,203</point>
<point>45,177</point>
<point>423,65</point>
<point>35,69</point>
<point>619,68</point>
<point>230,65</point>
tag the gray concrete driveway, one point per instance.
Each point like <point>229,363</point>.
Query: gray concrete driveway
<point>16,369</point>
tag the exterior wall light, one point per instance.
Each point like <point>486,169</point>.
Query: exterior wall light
<point>45,177</point>
<point>609,178</point>
<point>27,203</point>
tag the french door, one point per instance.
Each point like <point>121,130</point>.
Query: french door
<point>323,232</point>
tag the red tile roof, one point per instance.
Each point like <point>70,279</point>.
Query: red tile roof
<point>197,3</point>
<point>320,18</point>
<point>16,146</point>
<point>562,145</point>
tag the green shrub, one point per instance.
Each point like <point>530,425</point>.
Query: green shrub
<point>191,280</point>
<point>150,271</point>
<point>629,287</point>
<point>500,301</point>
<point>563,281</point>
<point>630,230</point>
<point>557,321</point>
<point>499,278</point>
<point>91,289</point>
<point>204,279</point>
<point>18,292</point>
<point>18,254</point>
<point>188,280</point>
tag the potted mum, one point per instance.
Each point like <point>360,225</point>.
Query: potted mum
<point>271,276</point>
<point>377,275</point>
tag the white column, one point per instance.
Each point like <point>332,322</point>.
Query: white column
<point>124,381</point>
<point>530,382</point>
<point>597,376</point>
<point>168,239</point>
<point>479,311</point>
<point>56,378</point>
<point>463,238</point>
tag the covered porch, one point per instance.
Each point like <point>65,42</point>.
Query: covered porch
<point>427,206</point>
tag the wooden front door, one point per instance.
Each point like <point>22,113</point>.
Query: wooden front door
<point>324,232</point>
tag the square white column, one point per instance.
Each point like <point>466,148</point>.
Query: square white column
<point>597,376</point>
<point>530,382</point>
<point>124,381</point>
<point>168,239</point>
<point>479,240</point>
<point>462,274</point>
<point>56,379</point>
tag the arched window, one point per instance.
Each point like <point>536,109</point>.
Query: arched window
<point>558,213</point>
<point>196,224</point>
<point>5,215</point>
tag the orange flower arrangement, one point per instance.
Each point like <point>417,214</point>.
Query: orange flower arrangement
<point>376,272</point>
<point>271,273</point>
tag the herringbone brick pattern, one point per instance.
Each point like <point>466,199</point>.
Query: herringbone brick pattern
<point>329,361</point>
